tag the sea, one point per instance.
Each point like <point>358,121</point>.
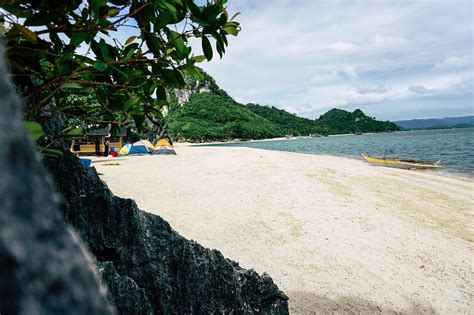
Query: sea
<point>453,147</point>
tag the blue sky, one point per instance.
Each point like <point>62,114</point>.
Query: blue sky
<point>393,59</point>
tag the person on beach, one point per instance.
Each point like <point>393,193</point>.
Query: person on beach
<point>97,147</point>
<point>76,147</point>
<point>106,148</point>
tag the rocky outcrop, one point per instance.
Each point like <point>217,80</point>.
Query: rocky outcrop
<point>124,292</point>
<point>143,259</point>
<point>147,267</point>
<point>44,268</point>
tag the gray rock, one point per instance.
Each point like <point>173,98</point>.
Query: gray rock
<point>140,253</point>
<point>44,269</point>
<point>123,291</point>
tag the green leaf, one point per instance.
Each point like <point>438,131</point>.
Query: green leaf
<point>38,19</point>
<point>177,41</point>
<point>130,39</point>
<point>231,30</point>
<point>49,152</point>
<point>96,4</point>
<point>75,132</point>
<point>160,93</point>
<point>119,71</point>
<point>210,12</point>
<point>130,103</point>
<point>153,43</point>
<point>194,72</point>
<point>235,24</point>
<point>139,120</point>
<point>104,50</point>
<point>119,2</point>
<point>84,13</point>
<point>206,47</point>
<point>130,50</point>
<point>113,11</point>
<point>167,6</point>
<point>71,86</point>
<point>78,38</point>
<point>193,8</point>
<point>100,65</point>
<point>29,35</point>
<point>34,129</point>
<point>199,58</point>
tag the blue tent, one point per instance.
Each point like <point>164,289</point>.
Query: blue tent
<point>125,149</point>
<point>141,147</point>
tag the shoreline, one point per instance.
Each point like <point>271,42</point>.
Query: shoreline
<point>444,173</point>
<point>333,233</point>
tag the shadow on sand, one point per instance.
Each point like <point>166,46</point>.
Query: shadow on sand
<point>310,303</point>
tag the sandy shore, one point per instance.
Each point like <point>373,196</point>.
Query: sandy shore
<point>335,234</point>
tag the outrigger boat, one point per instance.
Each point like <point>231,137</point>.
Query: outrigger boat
<point>406,164</point>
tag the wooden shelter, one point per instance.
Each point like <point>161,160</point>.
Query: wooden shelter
<point>85,144</point>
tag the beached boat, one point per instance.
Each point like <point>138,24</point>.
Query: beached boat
<point>406,164</point>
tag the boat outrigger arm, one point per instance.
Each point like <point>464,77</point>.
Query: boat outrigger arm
<point>406,164</point>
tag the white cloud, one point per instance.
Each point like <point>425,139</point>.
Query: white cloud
<point>333,73</point>
<point>308,56</point>
<point>452,62</point>
<point>367,89</point>
<point>342,47</point>
<point>420,89</point>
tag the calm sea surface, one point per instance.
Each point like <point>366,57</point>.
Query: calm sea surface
<point>454,147</point>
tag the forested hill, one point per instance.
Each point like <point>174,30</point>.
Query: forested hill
<point>341,121</point>
<point>204,112</point>
<point>211,117</point>
<point>290,123</point>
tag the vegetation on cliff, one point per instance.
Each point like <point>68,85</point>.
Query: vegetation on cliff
<point>339,121</point>
<point>290,123</point>
<point>214,116</point>
<point>211,117</point>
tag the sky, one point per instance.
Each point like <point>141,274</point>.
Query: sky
<point>393,59</point>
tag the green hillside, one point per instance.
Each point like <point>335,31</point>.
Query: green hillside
<point>210,114</point>
<point>290,123</point>
<point>212,117</point>
<point>339,121</point>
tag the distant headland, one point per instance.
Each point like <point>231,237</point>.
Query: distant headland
<point>437,123</point>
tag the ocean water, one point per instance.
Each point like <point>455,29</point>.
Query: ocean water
<point>454,147</point>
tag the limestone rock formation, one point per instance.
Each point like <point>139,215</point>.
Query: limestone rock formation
<point>143,258</point>
<point>147,267</point>
<point>44,268</point>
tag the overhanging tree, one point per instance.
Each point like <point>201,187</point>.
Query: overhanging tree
<point>66,53</point>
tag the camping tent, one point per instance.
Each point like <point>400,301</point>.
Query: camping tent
<point>163,147</point>
<point>141,147</point>
<point>125,149</point>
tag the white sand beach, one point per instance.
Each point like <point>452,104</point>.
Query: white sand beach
<point>335,234</point>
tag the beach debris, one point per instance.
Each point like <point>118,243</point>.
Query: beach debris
<point>111,163</point>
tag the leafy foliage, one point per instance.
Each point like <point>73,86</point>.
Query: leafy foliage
<point>123,80</point>
<point>339,121</point>
<point>290,123</point>
<point>211,117</point>
<point>215,116</point>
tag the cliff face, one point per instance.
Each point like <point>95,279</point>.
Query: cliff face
<point>178,97</point>
<point>44,267</point>
<point>147,266</point>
